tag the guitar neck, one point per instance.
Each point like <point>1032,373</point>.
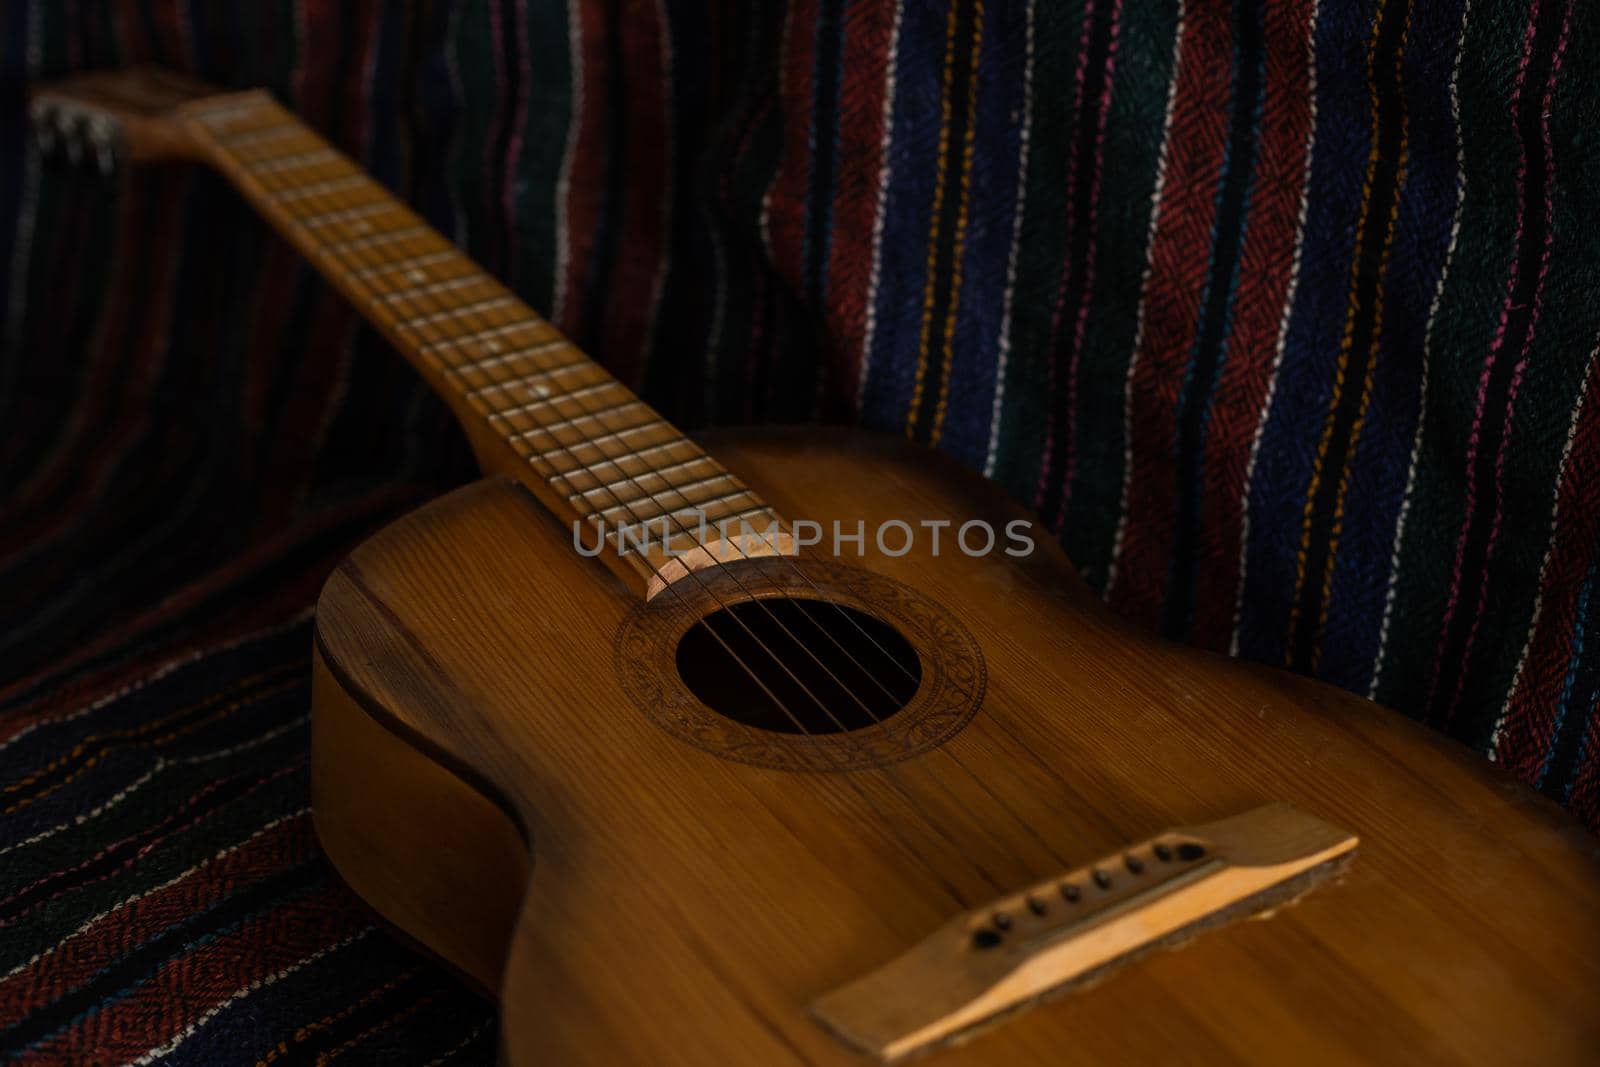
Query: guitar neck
<point>534,406</point>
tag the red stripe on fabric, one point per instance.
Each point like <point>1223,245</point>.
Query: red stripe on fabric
<point>785,204</point>
<point>642,235</point>
<point>868,32</point>
<point>1531,710</point>
<point>183,990</point>
<point>586,173</point>
<point>1171,309</point>
<point>109,938</point>
<point>1585,799</point>
<point>1266,268</point>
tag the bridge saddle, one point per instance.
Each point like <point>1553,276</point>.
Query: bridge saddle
<point>1074,927</point>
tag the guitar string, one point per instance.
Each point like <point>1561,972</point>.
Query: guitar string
<point>815,624</point>
<point>610,460</point>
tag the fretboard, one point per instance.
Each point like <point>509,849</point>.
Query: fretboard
<point>535,407</point>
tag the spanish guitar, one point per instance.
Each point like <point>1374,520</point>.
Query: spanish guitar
<point>619,735</point>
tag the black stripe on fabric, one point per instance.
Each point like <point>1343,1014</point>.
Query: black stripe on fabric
<point>315,1044</point>
<point>923,420</point>
<point>1195,404</point>
<point>824,134</point>
<point>597,298</point>
<point>1371,255</point>
<point>1080,212</point>
<point>1455,656</point>
<point>139,964</point>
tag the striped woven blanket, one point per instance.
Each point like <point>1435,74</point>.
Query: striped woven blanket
<point>1281,312</point>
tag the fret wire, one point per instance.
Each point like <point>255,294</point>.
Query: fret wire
<point>332,185</point>
<point>743,490</point>
<point>210,113</point>
<point>681,490</point>
<point>349,214</point>
<point>563,424</point>
<point>373,240</point>
<point>447,286</point>
<point>447,314</point>
<point>759,509</point>
<point>275,132</point>
<point>412,263</point>
<point>654,472</point>
<point>497,359</point>
<point>684,510</point>
<point>700,483</point>
<point>548,458</point>
<point>593,442</point>
<point>485,335</point>
<point>615,461</point>
<point>279,164</point>
<point>573,394</point>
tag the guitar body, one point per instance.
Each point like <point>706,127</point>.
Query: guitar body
<point>505,765</point>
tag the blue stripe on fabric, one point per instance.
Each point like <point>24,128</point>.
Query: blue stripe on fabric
<point>908,215</point>
<point>1301,394</point>
<point>991,206</point>
<point>1378,470</point>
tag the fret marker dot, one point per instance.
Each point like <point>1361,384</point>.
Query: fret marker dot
<point>540,391</point>
<point>418,276</point>
<point>491,347</point>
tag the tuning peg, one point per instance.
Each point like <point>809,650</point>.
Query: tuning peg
<point>42,119</point>
<point>79,137</point>
<point>103,138</point>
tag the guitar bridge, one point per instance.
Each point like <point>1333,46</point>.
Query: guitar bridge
<point>1074,927</point>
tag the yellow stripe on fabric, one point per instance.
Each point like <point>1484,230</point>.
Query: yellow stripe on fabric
<point>1347,342</point>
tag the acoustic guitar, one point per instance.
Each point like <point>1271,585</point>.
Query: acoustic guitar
<point>806,746</point>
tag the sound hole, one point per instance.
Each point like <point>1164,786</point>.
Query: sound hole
<point>798,666</point>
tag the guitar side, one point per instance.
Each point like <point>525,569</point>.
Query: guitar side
<point>483,778</point>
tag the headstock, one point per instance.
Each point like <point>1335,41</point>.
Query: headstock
<point>110,117</point>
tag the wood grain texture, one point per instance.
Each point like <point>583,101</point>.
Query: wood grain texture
<point>684,908</point>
